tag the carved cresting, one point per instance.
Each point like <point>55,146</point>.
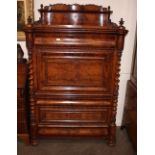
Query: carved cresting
<point>74,14</point>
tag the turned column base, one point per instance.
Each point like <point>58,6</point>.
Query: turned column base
<point>111,141</point>
<point>24,138</point>
<point>34,142</point>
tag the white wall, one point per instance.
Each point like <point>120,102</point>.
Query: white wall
<point>23,45</point>
<point>121,8</point>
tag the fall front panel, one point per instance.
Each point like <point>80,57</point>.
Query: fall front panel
<point>74,72</point>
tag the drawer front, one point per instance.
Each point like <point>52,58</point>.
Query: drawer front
<point>69,115</point>
<point>74,73</point>
<point>79,131</point>
<point>78,40</point>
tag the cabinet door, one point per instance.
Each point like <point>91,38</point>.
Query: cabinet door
<point>62,71</point>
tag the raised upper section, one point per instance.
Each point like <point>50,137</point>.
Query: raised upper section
<point>61,14</point>
<point>67,22</point>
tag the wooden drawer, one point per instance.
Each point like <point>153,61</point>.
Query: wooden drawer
<point>49,114</point>
<point>70,131</point>
<point>81,40</point>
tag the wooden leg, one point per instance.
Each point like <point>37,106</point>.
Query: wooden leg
<point>34,142</point>
<point>24,138</point>
<point>33,135</point>
<point>112,136</point>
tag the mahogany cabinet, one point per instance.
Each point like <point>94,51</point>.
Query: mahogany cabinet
<point>22,111</point>
<point>130,113</point>
<point>130,109</point>
<point>74,60</point>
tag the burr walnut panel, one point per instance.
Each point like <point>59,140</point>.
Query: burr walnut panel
<point>62,14</point>
<point>73,131</point>
<point>72,72</point>
<point>50,114</point>
<point>62,39</point>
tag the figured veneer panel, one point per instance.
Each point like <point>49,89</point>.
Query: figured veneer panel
<point>73,72</point>
<point>80,71</point>
<point>72,131</point>
<point>75,14</point>
<point>84,41</point>
<point>51,114</point>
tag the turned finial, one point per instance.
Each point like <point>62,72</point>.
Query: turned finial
<point>41,6</point>
<point>121,22</point>
<point>29,20</point>
<point>108,8</point>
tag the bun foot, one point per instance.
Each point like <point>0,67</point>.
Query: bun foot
<point>111,143</point>
<point>34,142</point>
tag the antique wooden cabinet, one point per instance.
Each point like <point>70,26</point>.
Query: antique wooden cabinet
<point>22,111</point>
<point>74,60</point>
<point>130,109</point>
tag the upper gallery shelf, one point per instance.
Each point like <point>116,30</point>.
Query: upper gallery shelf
<point>62,14</point>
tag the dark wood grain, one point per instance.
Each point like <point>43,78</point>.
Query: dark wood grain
<point>22,115</point>
<point>74,59</point>
<point>130,110</point>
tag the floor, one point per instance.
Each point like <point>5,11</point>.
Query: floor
<point>78,147</point>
